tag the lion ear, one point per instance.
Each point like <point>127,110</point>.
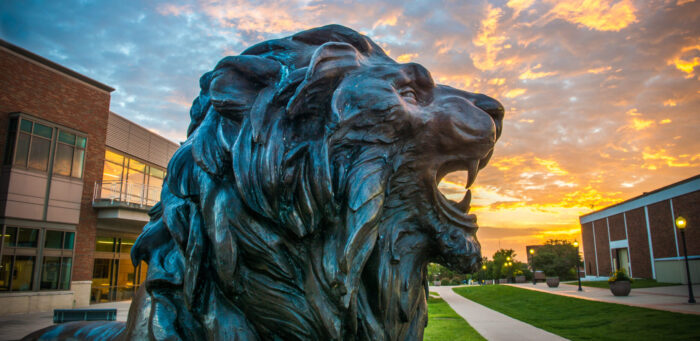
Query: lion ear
<point>329,63</point>
<point>236,82</point>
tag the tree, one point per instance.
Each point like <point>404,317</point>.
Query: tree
<point>557,258</point>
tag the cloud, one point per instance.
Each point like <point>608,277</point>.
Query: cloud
<point>601,96</point>
<point>602,15</point>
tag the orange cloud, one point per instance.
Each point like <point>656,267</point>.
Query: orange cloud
<point>665,121</point>
<point>552,166</point>
<point>535,75</point>
<point>506,163</point>
<point>599,70</point>
<point>490,38</point>
<point>670,103</point>
<point>654,159</point>
<point>640,124</point>
<point>601,15</point>
<point>406,57</point>
<point>519,5</point>
<point>497,81</point>
<point>687,66</point>
<point>514,93</point>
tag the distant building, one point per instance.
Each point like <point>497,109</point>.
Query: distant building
<point>639,235</point>
<point>75,186</point>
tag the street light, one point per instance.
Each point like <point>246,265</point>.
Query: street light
<point>578,272</point>
<point>532,253</point>
<point>680,224</point>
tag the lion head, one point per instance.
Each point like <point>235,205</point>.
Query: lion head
<point>304,203</point>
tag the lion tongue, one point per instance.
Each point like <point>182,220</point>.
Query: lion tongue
<point>464,204</point>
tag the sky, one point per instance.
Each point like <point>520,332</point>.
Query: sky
<point>601,96</point>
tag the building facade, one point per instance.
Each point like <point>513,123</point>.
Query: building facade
<point>639,235</point>
<point>62,198</point>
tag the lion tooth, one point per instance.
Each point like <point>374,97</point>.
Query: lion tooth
<point>464,204</point>
<point>472,168</point>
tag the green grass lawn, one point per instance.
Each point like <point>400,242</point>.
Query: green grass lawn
<point>637,284</point>
<point>578,319</point>
<point>445,325</point>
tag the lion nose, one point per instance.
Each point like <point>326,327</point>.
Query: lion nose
<point>492,107</point>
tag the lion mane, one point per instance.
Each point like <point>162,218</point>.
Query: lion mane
<point>297,208</point>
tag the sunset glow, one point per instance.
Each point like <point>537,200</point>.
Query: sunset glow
<point>601,96</point>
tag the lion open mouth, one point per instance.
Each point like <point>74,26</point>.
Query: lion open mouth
<point>457,212</point>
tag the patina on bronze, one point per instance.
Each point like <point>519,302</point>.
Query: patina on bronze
<point>304,203</point>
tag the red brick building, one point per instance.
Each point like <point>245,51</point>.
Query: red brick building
<point>639,235</point>
<point>75,185</point>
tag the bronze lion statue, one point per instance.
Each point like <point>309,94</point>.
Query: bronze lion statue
<point>304,204</point>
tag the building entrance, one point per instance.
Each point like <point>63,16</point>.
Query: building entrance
<point>114,277</point>
<point>622,260</point>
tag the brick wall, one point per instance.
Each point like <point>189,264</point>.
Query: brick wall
<point>688,206</point>
<point>638,243</point>
<point>602,244</point>
<point>34,89</point>
<point>588,249</point>
<point>661,227</point>
<point>617,227</point>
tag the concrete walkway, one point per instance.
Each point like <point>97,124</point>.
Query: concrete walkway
<point>491,324</point>
<point>671,298</point>
<point>15,327</point>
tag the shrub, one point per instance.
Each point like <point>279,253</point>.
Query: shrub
<point>619,275</point>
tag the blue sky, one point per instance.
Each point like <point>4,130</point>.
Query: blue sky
<point>601,95</point>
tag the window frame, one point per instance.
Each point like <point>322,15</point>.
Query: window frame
<point>13,142</point>
<point>39,253</point>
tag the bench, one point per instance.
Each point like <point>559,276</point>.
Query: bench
<point>68,315</point>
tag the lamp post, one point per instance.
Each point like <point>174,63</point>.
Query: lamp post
<point>532,254</point>
<point>483,267</point>
<point>578,272</point>
<point>680,224</point>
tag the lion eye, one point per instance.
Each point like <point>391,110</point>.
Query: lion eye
<point>409,95</point>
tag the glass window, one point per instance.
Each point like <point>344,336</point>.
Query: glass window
<point>66,137</point>
<point>126,245</point>
<point>101,280</point>
<point>64,159</point>
<point>10,236</point>
<point>78,159</point>
<point>112,172</point>
<point>66,266</point>
<point>22,150</point>
<point>137,166</point>
<point>114,157</point>
<point>5,271</point>
<point>26,126</point>
<point>54,239</point>
<point>22,273</point>
<point>81,142</point>
<point>105,244</point>
<point>27,237</point>
<point>50,272</point>
<point>158,173</point>
<point>68,241</point>
<point>39,154</point>
<point>42,130</point>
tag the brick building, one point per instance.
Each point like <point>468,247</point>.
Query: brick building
<point>639,235</point>
<point>75,185</point>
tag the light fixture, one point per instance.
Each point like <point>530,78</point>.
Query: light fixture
<point>680,223</point>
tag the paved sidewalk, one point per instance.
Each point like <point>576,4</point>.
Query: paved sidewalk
<point>491,324</point>
<point>671,298</point>
<point>17,326</point>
